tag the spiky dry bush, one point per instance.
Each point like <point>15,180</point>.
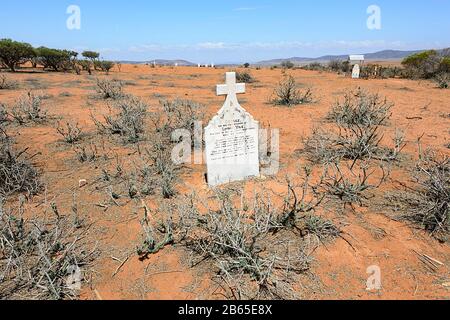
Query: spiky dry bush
<point>7,84</point>
<point>350,185</point>
<point>355,132</point>
<point>28,108</point>
<point>3,114</point>
<point>427,204</point>
<point>244,77</point>
<point>71,132</point>
<point>38,256</point>
<point>178,114</point>
<point>250,260</point>
<point>110,89</point>
<point>361,108</point>
<point>358,143</point>
<point>255,243</point>
<point>17,174</point>
<point>126,118</point>
<point>325,230</point>
<point>288,94</point>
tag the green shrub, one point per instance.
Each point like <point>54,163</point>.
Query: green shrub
<point>105,66</point>
<point>445,65</point>
<point>422,65</point>
<point>56,59</point>
<point>13,53</point>
<point>339,66</point>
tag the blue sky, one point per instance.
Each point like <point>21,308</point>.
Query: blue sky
<point>219,31</point>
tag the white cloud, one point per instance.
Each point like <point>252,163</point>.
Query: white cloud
<point>212,45</point>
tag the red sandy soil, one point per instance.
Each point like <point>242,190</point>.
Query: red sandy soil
<point>339,269</point>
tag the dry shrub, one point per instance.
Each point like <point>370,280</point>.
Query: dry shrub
<point>178,114</point>
<point>28,108</point>
<point>70,132</point>
<point>359,143</point>
<point>427,204</point>
<point>110,89</point>
<point>350,185</point>
<point>361,108</point>
<point>127,119</point>
<point>86,154</point>
<point>17,174</point>
<point>256,247</point>
<point>355,133</point>
<point>245,77</point>
<point>39,255</point>
<point>7,84</point>
<point>3,114</point>
<point>323,229</point>
<point>288,94</point>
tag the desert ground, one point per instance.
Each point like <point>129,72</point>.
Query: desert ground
<point>371,235</point>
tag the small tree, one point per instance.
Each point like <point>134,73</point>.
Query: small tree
<point>13,53</point>
<point>92,56</point>
<point>86,65</point>
<point>105,66</point>
<point>246,65</point>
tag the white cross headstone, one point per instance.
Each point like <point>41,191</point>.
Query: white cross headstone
<point>232,139</point>
<point>356,71</point>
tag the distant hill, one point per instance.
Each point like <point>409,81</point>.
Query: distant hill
<point>385,55</point>
<point>381,55</point>
<point>162,62</point>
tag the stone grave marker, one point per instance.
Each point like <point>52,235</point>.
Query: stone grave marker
<point>232,139</point>
<point>356,71</point>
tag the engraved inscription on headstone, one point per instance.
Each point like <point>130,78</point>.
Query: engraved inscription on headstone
<point>232,139</point>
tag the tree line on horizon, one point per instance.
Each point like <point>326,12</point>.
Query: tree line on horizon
<point>13,54</point>
<point>429,64</point>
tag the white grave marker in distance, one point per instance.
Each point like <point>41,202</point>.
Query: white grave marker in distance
<point>232,139</point>
<point>356,71</point>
